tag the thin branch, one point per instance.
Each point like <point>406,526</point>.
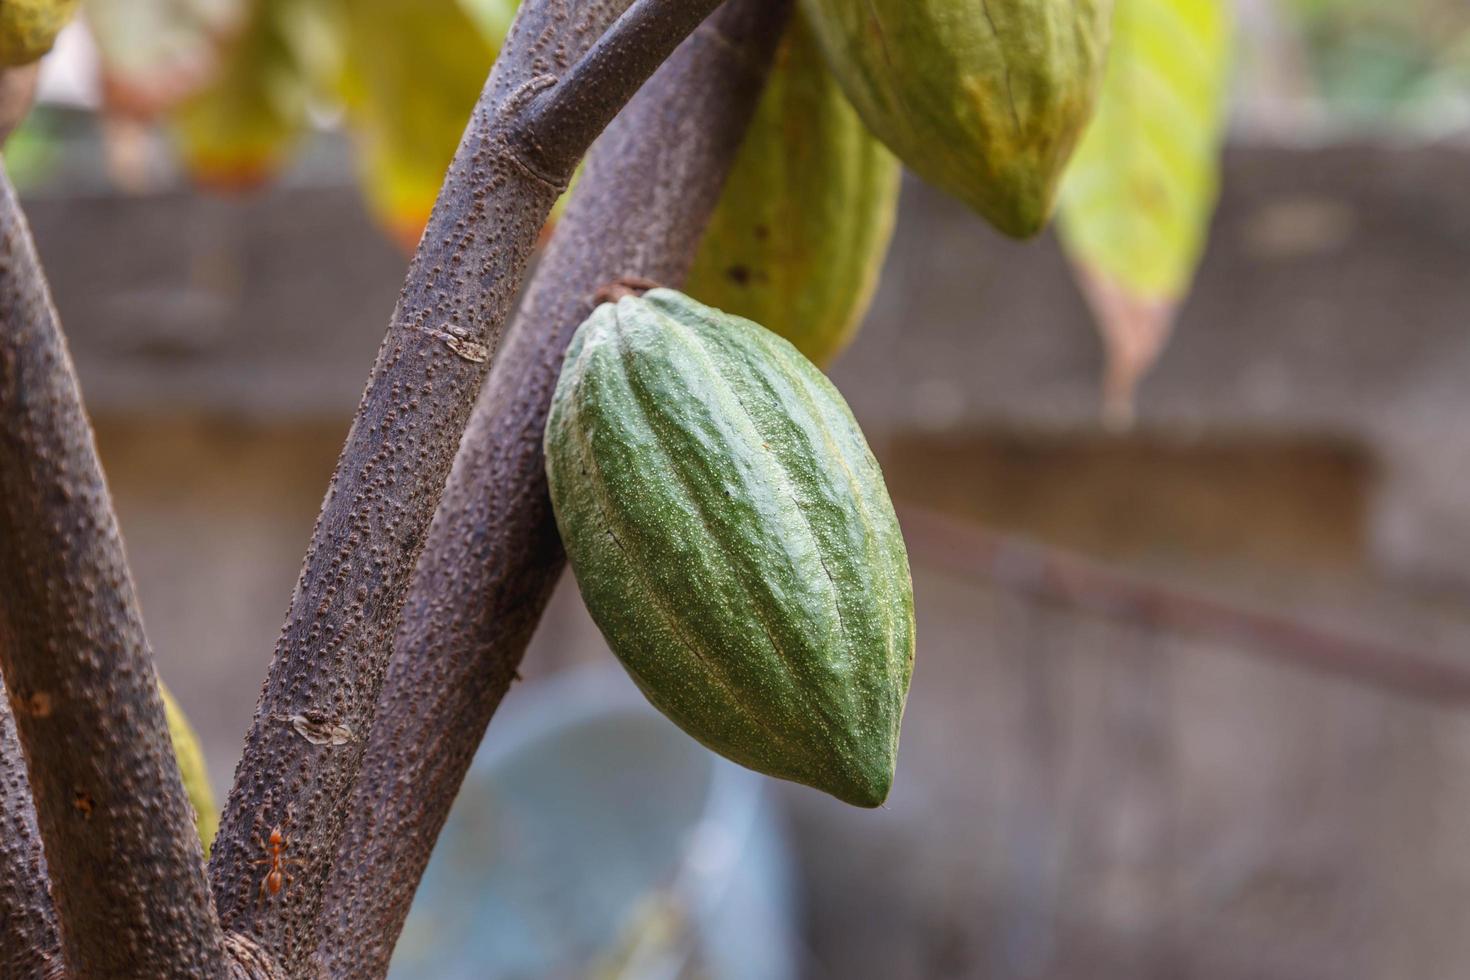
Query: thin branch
<point>29,944</point>
<point>600,84</point>
<point>493,554</point>
<point>1057,577</point>
<point>126,868</point>
<point>305,747</point>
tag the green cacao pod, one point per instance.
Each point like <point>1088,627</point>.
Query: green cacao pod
<point>983,98</point>
<point>799,235</point>
<point>732,537</point>
<point>28,28</point>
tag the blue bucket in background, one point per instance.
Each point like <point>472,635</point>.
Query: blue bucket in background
<point>593,838</point>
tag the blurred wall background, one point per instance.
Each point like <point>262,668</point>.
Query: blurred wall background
<point>1081,792</point>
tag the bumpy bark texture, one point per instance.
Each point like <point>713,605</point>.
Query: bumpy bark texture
<point>126,867</point>
<point>493,553</point>
<point>28,940</point>
<point>305,747</point>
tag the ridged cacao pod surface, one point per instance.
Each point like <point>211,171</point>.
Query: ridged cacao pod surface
<point>799,235</point>
<point>732,537</point>
<point>28,28</point>
<point>983,98</point>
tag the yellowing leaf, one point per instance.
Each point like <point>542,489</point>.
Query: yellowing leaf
<point>238,130</point>
<point>192,768</point>
<point>411,72</point>
<point>1136,202</point>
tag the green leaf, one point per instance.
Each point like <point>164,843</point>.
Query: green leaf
<point>1136,202</point>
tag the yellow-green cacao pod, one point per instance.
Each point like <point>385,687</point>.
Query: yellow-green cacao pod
<point>732,537</point>
<point>799,235</point>
<point>28,28</point>
<point>191,766</point>
<point>983,98</point>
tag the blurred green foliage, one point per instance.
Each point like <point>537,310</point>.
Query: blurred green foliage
<point>32,150</point>
<point>1387,60</point>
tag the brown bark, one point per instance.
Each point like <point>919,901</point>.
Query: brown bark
<point>305,747</point>
<point>126,866</point>
<point>493,554</point>
<point>28,938</point>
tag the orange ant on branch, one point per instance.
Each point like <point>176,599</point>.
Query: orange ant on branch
<point>276,878</point>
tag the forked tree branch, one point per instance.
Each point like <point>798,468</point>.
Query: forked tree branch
<point>305,746</point>
<point>493,554</point>
<point>29,945</point>
<point>126,867</point>
<point>646,35</point>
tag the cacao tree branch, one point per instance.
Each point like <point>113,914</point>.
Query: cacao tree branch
<point>28,938</point>
<point>645,36</point>
<point>29,944</point>
<point>305,746</point>
<point>493,555</point>
<point>126,868</point>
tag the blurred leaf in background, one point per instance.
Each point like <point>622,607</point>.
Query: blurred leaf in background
<point>411,71</point>
<point>156,52</point>
<point>239,130</point>
<point>1405,62</point>
<point>32,152</point>
<point>493,17</point>
<point>239,75</point>
<point>1137,199</point>
<point>238,79</point>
